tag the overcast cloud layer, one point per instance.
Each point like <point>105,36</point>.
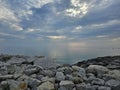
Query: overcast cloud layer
<point>62,20</point>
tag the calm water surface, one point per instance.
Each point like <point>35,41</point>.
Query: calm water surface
<point>61,54</point>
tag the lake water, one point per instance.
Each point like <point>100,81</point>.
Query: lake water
<point>62,55</point>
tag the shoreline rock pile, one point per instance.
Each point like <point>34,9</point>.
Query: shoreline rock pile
<point>37,73</point>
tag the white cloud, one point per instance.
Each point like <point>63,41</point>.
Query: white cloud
<point>12,35</point>
<point>78,9</point>
<point>16,27</point>
<point>12,14</point>
<point>105,24</point>
<point>57,37</point>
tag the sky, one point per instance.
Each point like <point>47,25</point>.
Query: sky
<point>70,23</point>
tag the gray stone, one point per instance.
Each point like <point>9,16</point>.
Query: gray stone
<point>97,70</point>
<point>44,79</point>
<point>104,88</point>
<point>46,86</point>
<point>17,85</point>
<point>67,85</point>
<point>114,84</point>
<point>15,60</point>
<point>48,73</point>
<point>5,85</point>
<point>4,77</point>
<point>84,86</point>
<point>98,81</point>
<point>76,68</point>
<point>60,76</point>
<point>82,73</point>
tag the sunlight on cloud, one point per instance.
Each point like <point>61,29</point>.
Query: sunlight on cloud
<point>78,9</point>
<point>57,37</point>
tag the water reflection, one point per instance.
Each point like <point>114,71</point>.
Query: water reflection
<point>62,53</point>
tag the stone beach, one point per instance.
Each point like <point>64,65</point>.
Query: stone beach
<point>18,72</point>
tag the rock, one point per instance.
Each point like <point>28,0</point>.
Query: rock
<point>91,77</point>
<point>46,86</point>
<point>82,73</point>
<point>31,70</point>
<point>115,74</point>
<point>44,79</point>
<point>75,68</point>
<point>45,63</point>
<point>68,70</point>
<point>98,81</point>
<point>6,77</point>
<point>5,85</point>
<point>77,80</point>
<point>67,85</point>
<point>15,60</point>
<point>60,76</point>
<point>104,88</point>
<point>48,73</point>
<point>17,85</point>
<point>114,84</point>
<point>97,70</point>
<point>84,86</point>
<point>69,77</point>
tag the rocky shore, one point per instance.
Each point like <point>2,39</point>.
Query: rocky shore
<point>37,73</point>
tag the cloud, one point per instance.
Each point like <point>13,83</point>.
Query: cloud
<point>11,35</point>
<point>56,37</point>
<point>77,9</point>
